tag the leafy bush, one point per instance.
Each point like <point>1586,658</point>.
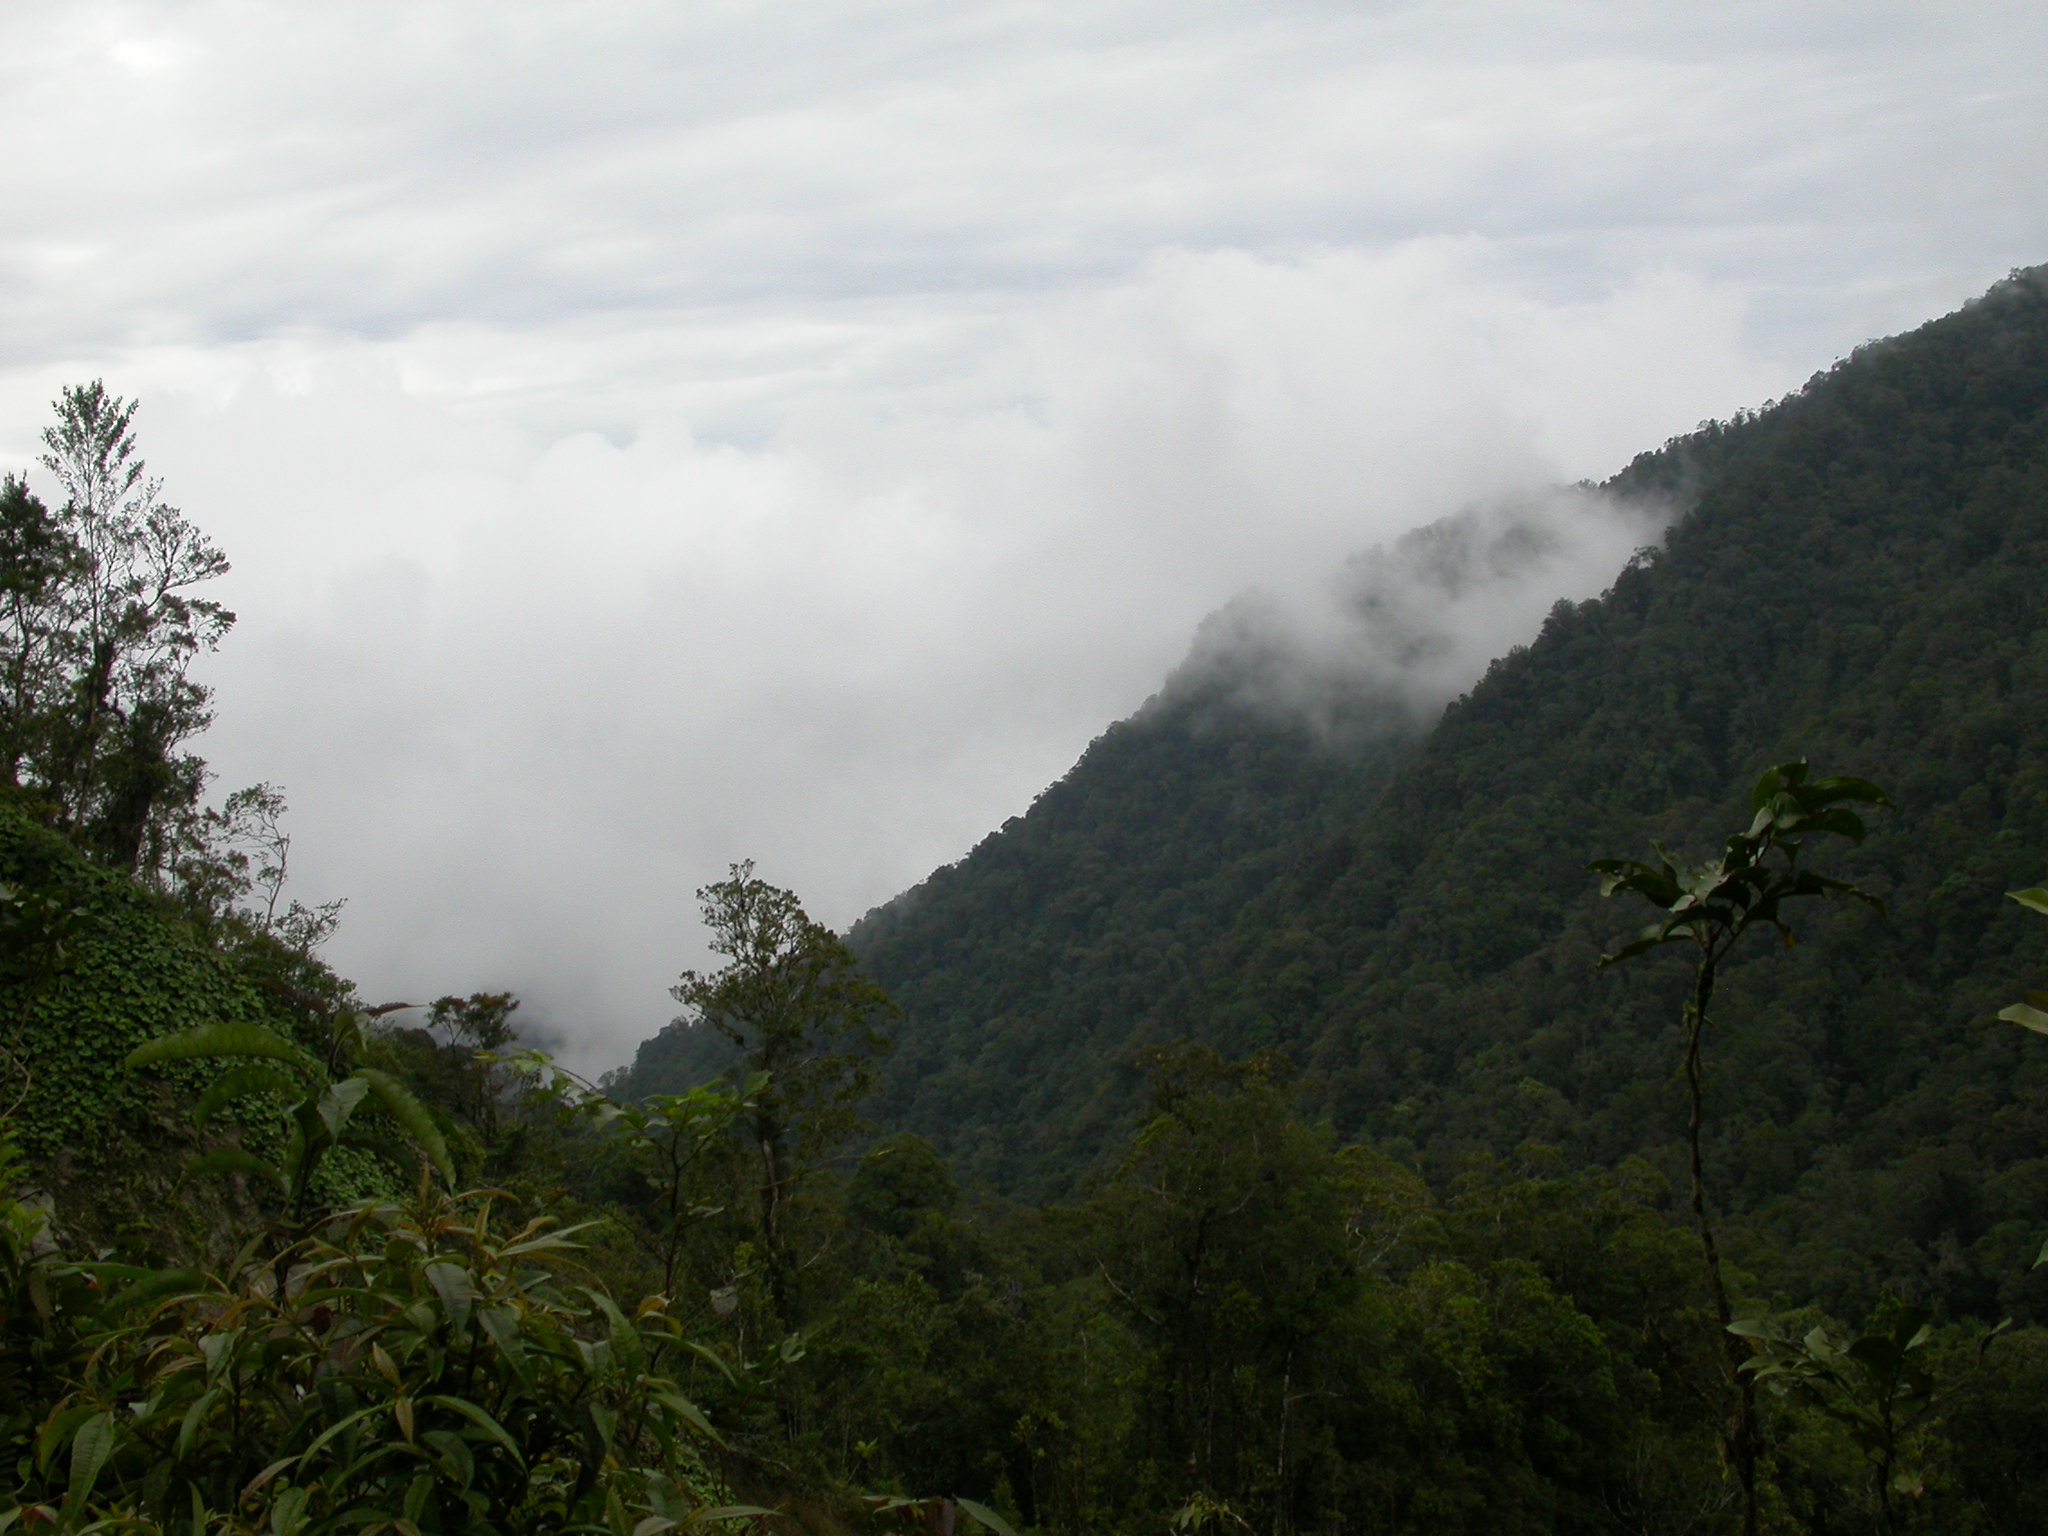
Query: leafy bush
<point>409,1368</point>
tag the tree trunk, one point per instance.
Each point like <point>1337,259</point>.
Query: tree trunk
<point>1741,1439</point>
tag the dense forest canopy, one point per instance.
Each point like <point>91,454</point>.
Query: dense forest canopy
<point>1243,1139</point>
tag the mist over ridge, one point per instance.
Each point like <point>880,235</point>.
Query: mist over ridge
<point>1034,646</point>
<point>1408,626</point>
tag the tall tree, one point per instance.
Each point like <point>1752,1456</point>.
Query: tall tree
<point>36,557</point>
<point>1224,1240</point>
<point>796,1003</point>
<point>98,631</point>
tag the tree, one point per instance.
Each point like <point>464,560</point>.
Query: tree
<point>1224,1240</point>
<point>474,1029</point>
<point>675,1143</point>
<point>36,555</point>
<point>98,631</point>
<point>795,1002</point>
<point>1711,906</point>
<point>2030,1014</point>
<point>1881,1388</point>
<point>231,863</point>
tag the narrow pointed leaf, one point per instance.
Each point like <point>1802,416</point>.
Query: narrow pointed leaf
<point>156,1285</point>
<point>210,1040</point>
<point>332,1431</point>
<point>983,1515</point>
<point>482,1421</point>
<point>234,1160</point>
<point>1846,787</point>
<point>2025,1017</point>
<point>240,1083</point>
<point>397,1101</point>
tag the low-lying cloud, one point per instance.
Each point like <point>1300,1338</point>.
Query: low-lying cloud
<point>651,436</point>
<point>1404,628</point>
<point>527,691</point>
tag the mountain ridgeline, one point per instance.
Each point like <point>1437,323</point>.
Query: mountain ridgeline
<point>1861,578</point>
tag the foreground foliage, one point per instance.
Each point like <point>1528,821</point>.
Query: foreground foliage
<point>407,1368</point>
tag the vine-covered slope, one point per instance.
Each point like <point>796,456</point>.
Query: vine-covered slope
<point>87,982</point>
<point>93,963</point>
<point>1862,579</point>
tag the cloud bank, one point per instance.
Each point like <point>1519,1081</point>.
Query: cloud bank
<point>528,692</point>
<point>652,436</point>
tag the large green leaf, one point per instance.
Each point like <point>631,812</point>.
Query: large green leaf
<point>627,1346</point>
<point>154,1285</point>
<point>211,1040</point>
<point>688,1412</point>
<point>2026,1017</point>
<point>397,1101</point>
<point>235,1160</point>
<point>452,1284</point>
<point>90,1448</point>
<point>195,1417</point>
<point>983,1515</point>
<point>340,1101</point>
<point>240,1083</point>
<point>288,1513</point>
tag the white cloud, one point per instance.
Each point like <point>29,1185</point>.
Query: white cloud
<point>527,689</point>
<point>650,436</point>
<point>1402,628</point>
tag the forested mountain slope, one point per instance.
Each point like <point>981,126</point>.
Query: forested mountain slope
<point>1862,579</point>
<point>1025,969</point>
<point>1090,907</point>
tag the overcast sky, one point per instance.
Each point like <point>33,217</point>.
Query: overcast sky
<point>654,435</point>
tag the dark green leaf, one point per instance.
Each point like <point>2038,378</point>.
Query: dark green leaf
<point>983,1515</point>
<point>211,1040</point>
<point>398,1102</point>
<point>235,1160</point>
